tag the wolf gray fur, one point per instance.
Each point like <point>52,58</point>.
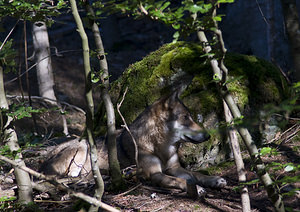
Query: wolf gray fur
<point>158,132</point>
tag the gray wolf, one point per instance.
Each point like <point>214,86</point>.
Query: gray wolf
<point>158,132</point>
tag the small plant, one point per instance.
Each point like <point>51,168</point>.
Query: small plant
<point>283,174</point>
<point>6,203</point>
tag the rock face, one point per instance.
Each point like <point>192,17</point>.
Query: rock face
<point>255,83</point>
<point>257,28</point>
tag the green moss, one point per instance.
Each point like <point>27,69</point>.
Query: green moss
<point>257,83</point>
<point>240,91</point>
<point>153,77</point>
<point>220,168</point>
<point>263,80</point>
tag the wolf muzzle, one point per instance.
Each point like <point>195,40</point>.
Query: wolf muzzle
<point>196,138</point>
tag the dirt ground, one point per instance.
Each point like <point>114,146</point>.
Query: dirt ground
<point>142,197</point>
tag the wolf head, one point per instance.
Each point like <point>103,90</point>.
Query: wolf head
<point>180,122</point>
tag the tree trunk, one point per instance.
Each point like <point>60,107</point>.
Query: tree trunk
<point>291,20</point>
<point>114,166</point>
<point>90,107</point>
<point>44,67</point>
<point>11,139</point>
<point>235,146</point>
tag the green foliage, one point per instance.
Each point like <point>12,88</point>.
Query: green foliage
<point>16,112</point>
<point>31,10</point>
<point>181,15</point>
<point>9,204</point>
<point>6,203</point>
<point>5,151</point>
<point>282,173</point>
<point>19,111</point>
<point>7,56</point>
<point>267,151</point>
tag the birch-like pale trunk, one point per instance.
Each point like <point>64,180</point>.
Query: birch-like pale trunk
<point>90,107</point>
<point>238,159</point>
<point>44,67</point>
<point>114,165</point>
<point>11,139</point>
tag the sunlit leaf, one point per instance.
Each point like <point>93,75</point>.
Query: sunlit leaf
<point>289,168</point>
<point>265,150</point>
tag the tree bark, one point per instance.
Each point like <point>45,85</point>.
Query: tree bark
<point>291,20</point>
<point>114,166</point>
<point>90,107</point>
<point>235,146</point>
<point>44,67</point>
<point>11,139</point>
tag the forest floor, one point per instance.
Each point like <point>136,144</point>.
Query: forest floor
<point>142,197</point>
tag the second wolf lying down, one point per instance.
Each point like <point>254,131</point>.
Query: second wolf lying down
<point>158,132</point>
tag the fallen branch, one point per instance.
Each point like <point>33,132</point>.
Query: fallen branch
<point>130,190</point>
<point>54,181</point>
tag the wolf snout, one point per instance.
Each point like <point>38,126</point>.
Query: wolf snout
<point>196,138</point>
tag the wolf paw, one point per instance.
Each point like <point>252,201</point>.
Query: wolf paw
<point>201,191</point>
<point>220,183</point>
<point>215,182</point>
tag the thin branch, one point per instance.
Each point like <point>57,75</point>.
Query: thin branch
<point>12,29</point>
<point>31,67</point>
<point>261,12</point>
<point>27,77</point>
<point>130,190</point>
<point>127,128</point>
<point>45,98</point>
<point>54,181</point>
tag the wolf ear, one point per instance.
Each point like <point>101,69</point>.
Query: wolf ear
<point>174,97</point>
<point>177,92</point>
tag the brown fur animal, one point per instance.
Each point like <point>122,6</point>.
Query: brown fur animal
<point>158,132</point>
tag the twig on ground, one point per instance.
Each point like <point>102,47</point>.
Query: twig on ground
<point>287,135</point>
<point>53,180</point>
<point>53,201</point>
<point>6,175</point>
<point>130,190</point>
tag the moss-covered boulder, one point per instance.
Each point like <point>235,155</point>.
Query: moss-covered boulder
<point>257,82</point>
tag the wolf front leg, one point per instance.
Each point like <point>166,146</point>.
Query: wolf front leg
<point>209,181</point>
<point>198,178</point>
<point>168,181</point>
<point>151,168</point>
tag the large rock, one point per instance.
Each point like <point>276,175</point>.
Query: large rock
<point>257,83</point>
